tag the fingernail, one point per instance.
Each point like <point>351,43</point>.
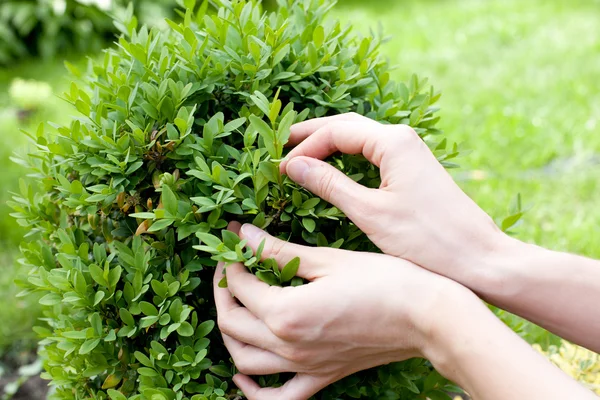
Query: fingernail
<point>251,232</point>
<point>298,171</point>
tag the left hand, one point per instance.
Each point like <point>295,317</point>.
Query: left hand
<point>358,311</point>
<point>418,213</point>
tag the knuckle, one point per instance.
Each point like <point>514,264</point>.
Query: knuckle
<point>224,324</point>
<point>327,184</point>
<point>285,325</point>
<point>297,356</point>
<point>364,207</point>
<point>276,248</point>
<point>244,365</point>
<point>405,135</point>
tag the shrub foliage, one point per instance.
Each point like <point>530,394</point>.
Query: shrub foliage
<point>178,132</point>
<point>46,28</point>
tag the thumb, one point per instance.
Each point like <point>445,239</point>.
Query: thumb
<point>330,184</point>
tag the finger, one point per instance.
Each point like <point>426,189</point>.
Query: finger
<point>331,185</point>
<point>369,138</point>
<point>222,296</point>
<point>311,264</point>
<point>252,360</point>
<point>234,227</point>
<point>238,322</point>
<point>223,299</point>
<point>254,294</point>
<point>301,387</point>
<point>302,130</point>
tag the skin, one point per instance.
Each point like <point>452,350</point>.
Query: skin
<point>360,310</point>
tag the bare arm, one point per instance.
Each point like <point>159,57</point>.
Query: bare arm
<point>492,363</point>
<point>558,291</point>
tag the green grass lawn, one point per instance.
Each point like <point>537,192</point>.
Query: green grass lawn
<point>520,83</point>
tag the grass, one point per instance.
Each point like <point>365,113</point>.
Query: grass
<point>519,82</point>
<point>11,125</point>
<point>18,315</point>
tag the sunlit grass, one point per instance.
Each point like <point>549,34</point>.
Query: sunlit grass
<point>521,84</point>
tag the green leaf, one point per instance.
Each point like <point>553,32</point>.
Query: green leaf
<point>235,124</point>
<point>230,239</point>
<point>115,395</point>
<point>319,36</point>
<point>97,274</point>
<point>169,200</point>
<point>261,102</point>
<point>88,346</point>
<point>311,203</point>
<point>268,277</point>
<point>160,225</point>
<point>143,359</point>
<point>126,317</point>
<point>204,328</point>
<point>262,128</point>
<point>309,224</point>
<point>144,371</point>
<point>296,199</point>
<point>290,270</point>
<point>511,221</point>
<point>148,308</point>
<point>208,239</point>
<point>185,329</point>
<point>98,297</point>
<point>143,215</point>
<point>51,299</point>
<point>221,370</point>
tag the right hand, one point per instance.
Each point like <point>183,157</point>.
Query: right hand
<point>418,213</point>
<point>358,311</point>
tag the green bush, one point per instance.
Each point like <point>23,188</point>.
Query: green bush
<point>181,131</point>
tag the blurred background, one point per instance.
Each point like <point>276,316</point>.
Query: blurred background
<point>521,91</point>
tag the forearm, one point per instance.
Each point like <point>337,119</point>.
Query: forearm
<point>558,291</point>
<point>474,349</point>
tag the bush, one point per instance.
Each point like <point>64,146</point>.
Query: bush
<point>47,28</point>
<point>180,132</point>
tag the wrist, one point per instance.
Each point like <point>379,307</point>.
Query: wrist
<point>461,333</point>
<point>440,317</point>
<point>500,269</point>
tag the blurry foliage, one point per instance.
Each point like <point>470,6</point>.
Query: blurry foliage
<point>580,363</point>
<point>18,314</point>
<point>29,95</point>
<point>47,28</point>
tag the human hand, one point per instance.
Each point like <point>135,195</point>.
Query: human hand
<point>418,213</point>
<point>359,310</point>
